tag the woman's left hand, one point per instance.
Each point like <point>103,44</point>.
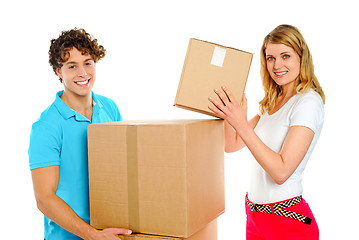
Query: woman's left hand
<point>229,109</point>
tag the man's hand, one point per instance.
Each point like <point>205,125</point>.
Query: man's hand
<point>110,234</point>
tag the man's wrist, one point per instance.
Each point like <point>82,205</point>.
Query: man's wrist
<point>91,233</point>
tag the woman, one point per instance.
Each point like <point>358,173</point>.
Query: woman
<point>281,138</point>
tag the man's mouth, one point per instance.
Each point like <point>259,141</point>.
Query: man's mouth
<point>83,82</point>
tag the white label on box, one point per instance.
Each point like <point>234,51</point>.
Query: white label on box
<point>219,54</point>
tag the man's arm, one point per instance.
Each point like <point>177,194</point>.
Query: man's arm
<point>45,181</point>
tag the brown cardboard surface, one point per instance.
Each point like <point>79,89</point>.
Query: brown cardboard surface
<point>209,232</point>
<point>156,177</point>
<point>202,73</point>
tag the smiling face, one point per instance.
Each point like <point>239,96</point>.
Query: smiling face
<point>77,74</point>
<point>283,64</point>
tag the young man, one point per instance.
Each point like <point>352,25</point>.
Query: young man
<point>58,141</point>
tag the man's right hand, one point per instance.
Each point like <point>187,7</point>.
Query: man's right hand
<point>111,233</point>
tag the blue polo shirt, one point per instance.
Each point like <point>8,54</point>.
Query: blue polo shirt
<point>59,137</point>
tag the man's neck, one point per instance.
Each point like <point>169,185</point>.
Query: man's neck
<point>80,104</point>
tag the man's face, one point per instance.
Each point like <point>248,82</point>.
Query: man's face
<point>78,73</point>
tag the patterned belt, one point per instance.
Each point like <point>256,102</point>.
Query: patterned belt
<point>278,209</point>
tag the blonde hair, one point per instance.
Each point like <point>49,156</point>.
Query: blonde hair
<point>306,80</point>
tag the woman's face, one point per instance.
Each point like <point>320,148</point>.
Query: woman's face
<point>283,63</point>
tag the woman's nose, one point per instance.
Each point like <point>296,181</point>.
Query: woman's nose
<point>277,64</point>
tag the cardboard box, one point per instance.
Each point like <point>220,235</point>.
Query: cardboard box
<point>207,233</point>
<point>156,177</point>
<point>208,66</point>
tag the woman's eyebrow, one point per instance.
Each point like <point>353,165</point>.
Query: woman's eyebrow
<point>282,53</point>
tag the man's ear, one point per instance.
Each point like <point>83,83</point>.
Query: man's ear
<point>58,73</point>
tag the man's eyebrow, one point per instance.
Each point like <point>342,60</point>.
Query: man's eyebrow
<point>73,62</point>
<point>69,63</point>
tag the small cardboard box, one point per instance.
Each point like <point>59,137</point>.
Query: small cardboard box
<point>208,66</point>
<point>207,233</point>
<point>156,177</point>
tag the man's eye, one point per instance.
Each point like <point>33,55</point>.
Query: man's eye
<point>89,63</point>
<point>72,67</point>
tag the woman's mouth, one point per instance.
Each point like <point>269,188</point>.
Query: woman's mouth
<point>280,73</point>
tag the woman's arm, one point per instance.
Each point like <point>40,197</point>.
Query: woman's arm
<point>232,141</point>
<point>280,166</point>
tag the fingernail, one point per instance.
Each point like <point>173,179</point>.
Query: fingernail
<point>216,90</point>
<point>129,232</point>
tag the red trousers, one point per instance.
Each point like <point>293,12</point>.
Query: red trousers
<point>265,226</point>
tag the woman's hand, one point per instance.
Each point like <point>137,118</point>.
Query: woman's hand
<point>229,109</point>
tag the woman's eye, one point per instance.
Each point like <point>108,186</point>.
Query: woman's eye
<point>72,67</point>
<point>270,58</point>
<point>286,56</point>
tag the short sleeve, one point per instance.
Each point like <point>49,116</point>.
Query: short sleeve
<point>45,145</point>
<point>114,110</point>
<point>110,107</point>
<point>308,112</point>
<point>117,112</point>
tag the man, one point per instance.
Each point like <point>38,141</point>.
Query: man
<point>58,141</point>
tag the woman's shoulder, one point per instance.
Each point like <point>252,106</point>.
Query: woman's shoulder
<point>310,97</point>
<point>308,104</point>
<point>307,101</point>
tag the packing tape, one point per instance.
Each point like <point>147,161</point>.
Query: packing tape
<point>218,56</point>
<point>132,178</point>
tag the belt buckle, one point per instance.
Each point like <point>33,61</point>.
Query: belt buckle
<point>255,207</point>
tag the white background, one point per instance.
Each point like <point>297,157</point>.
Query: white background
<point>146,43</point>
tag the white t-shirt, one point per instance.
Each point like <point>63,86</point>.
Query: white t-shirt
<point>304,109</point>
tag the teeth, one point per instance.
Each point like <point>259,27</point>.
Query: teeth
<point>83,83</point>
<point>281,73</point>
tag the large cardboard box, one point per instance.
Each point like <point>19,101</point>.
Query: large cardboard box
<point>208,66</point>
<point>207,233</point>
<point>156,177</point>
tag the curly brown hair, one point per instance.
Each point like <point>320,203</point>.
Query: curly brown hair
<point>78,38</point>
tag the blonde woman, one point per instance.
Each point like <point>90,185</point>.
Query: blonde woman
<point>281,137</point>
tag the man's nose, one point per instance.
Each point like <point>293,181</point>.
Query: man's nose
<point>81,72</point>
